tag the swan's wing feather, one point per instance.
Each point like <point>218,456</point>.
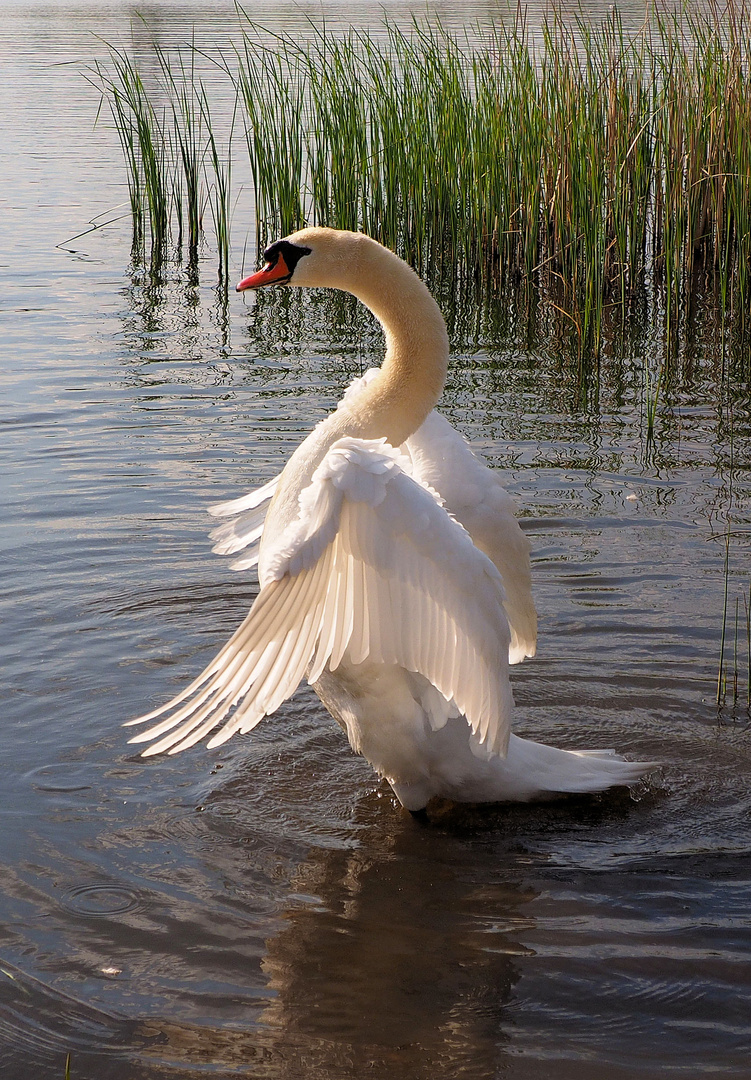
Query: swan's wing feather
<point>244,532</point>
<point>256,498</point>
<point>372,567</point>
<point>261,665</point>
<point>407,584</point>
<point>248,512</point>
<point>473,494</point>
<point>235,535</point>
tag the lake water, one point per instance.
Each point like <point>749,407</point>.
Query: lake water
<point>267,910</point>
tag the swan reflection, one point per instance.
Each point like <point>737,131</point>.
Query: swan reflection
<point>397,954</point>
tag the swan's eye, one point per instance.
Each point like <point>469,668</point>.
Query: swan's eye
<point>289,253</point>
<point>280,261</point>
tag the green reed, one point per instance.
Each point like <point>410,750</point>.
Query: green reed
<point>219,183</point>
<point>589,167</point>
<point>583,170</point>
<point>175,165</point>
<point>145,144</point>
<point>268,85</point>
<point>188,145</point>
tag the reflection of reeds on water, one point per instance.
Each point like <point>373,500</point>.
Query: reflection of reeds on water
<point>585,167</point>
<point>734,668</point>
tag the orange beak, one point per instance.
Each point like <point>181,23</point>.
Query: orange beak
<point>277,271</point>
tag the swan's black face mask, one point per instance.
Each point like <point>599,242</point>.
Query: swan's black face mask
<point>280,262</point>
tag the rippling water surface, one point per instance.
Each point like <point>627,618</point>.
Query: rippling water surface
<point>266,910</point>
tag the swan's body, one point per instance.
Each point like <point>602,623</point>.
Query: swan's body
<point>392,570</point>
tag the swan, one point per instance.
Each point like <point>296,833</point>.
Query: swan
<point>392,570</point>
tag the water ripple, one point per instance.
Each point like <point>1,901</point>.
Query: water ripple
<point>100,900</point>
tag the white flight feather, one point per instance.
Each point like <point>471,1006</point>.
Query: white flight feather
<point>245,531</point>
<point>252,499</point>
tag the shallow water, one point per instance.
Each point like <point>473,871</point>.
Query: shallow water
<point>266,909</point>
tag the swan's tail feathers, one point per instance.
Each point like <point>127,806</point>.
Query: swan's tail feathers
<point>593,770</point>
<point>571,771</point>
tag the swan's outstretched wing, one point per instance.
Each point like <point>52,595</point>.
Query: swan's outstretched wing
<point>441,459</point>
<point>471,491</point>
<point>373,567</point>
<point>474,495</point>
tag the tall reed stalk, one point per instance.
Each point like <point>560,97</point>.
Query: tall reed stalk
<point>175,166</point>
<point>734,668</point>
<point>219,187</point>
<point>146,145</point>
<point>188,145</point>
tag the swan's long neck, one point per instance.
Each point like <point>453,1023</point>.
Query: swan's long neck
<point>395,403</point>
<point>413,372</point>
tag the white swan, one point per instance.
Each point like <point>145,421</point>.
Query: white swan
<point>392,570</point>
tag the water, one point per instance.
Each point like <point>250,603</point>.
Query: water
<point>266,910</point>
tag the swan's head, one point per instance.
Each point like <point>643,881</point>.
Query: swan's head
<point>330,258</point>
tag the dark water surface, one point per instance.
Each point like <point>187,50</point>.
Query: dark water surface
<point>266,910</point>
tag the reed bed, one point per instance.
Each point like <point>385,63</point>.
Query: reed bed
<point>175,164</point>
<point>584,168</point>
